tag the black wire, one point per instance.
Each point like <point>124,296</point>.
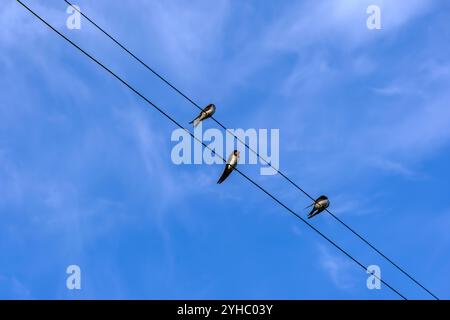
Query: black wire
<point>249,148</point>
<point>181,127</point>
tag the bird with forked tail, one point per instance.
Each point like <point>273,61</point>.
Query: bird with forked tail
<point>229,166</point>
<point>206,113</point>
<point>319,205</point>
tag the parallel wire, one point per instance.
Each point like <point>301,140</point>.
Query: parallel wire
<point>249,148</point>
<point>206,146</point>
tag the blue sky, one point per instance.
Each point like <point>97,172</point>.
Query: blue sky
<point>86,176</point>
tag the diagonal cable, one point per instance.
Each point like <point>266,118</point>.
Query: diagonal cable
<point>249,148</point>
<point>181,127</point>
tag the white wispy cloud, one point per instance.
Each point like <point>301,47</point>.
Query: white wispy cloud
<point>186,34</point>
<point>339,269</point>
<point>189,37</point>
<point>339,23</point>
<point>17,24</point>
<point>14,288</point>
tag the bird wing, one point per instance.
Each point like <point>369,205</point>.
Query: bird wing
<point>311,213</point>
<point>194,120</point>
<point>198,118</point>
<point>225,174</point>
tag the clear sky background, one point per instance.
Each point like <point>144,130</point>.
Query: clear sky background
<point>86,176</point>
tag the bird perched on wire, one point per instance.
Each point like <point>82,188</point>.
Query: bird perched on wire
<point>319,205</point>
<point>229,166</point>
<point>206,113</point>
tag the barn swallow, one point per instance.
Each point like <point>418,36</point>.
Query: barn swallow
<point>230,165</point>
<point>206,113</point>
<point>319,205</point>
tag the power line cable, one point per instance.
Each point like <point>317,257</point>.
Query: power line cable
<point>181,127</point>
<point>249,148</point>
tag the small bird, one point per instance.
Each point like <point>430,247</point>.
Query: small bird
<point>230,165</point>
<point>319,205</point>
<point>206,113</point>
